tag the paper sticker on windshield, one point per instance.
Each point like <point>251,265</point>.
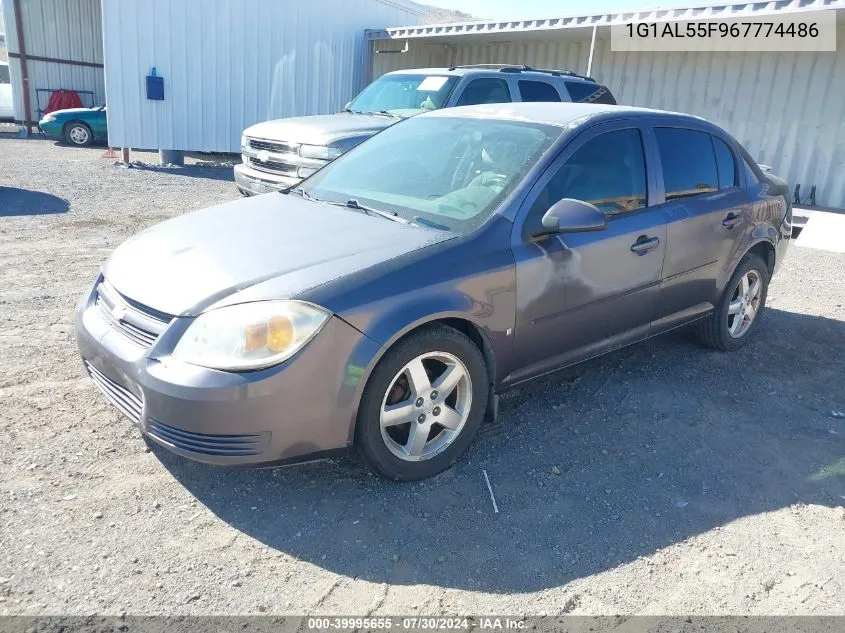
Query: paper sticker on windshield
<point>432,84</point>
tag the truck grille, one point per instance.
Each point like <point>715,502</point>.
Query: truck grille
<point>207,444</point>
<point>270,146</point>
<point>273,166</point>
<point>126,402</point>
<point>138,323</point>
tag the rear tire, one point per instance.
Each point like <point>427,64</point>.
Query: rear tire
<point>739,311</point>
<point>422,405</point>
<point>78,134</point>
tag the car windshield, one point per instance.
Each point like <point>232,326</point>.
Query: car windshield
<point>404,95</point>
<point>442,172</point>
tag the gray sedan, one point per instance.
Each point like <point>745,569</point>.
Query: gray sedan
<point>386,301</point>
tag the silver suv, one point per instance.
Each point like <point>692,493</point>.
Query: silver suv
<point>278,154</point>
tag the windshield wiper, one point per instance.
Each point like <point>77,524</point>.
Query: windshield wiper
<point>430,223</point>
<point>389,215</point>
<point>350,110</point>
<point>354,204</point>
<point>300,191</point>
<point>392,115</point>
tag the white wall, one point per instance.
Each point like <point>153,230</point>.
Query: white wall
<point>230,63</point>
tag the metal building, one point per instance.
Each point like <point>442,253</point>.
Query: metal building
<point>786,108</point>
<point>53,44</point>
<point>226,64</point>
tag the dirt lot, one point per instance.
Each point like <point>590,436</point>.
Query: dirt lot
<point>663,479</point>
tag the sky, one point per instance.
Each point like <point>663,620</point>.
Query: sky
<point>521,9</point>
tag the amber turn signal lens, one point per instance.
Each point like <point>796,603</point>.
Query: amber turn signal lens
<point>255,337</point>
<point>279,333</point>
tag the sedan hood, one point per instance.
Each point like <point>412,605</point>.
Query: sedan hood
<point>320,130</point>
<point>184,265</point>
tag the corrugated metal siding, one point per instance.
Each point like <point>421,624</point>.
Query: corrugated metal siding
<point>230,63</point>
<point>63,29</point>
<point>787,109</point>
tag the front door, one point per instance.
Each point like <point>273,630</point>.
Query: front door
<point>579,294</point>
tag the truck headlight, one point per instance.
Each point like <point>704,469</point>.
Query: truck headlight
<point>244,141</point>
<point>319,151</point>
<point>250,335</point>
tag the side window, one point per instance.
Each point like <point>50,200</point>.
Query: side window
<point>725,163</point>
<point>485,90</point>
<point>689,162</point>
<point>538,91</point>
<point>589,92</point>
<point>607,171</point>
<point>4,74</point>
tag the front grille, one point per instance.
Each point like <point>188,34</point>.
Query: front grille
<point>273,166</point>
<point>207,444</point>
<point>138,323</point>
<point>126,402</point>
<point>279,148</point>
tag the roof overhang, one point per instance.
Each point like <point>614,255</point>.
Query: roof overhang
<point>510,28</point>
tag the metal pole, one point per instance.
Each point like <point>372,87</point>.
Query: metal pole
<point>592,48</point>
<point>27,106</point>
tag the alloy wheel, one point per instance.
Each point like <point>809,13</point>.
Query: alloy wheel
<point>744,304</point>
<point>426,406</point>
<point>78,135</point>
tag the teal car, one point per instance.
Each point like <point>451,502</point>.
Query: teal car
<point>77,126</point>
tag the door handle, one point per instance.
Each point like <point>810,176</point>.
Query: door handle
<point>644,244</point>
<point>731,220</point>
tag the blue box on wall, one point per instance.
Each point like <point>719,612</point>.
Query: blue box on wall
<point>155,87</point>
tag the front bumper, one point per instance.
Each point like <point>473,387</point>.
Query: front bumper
<point>302,407</point>
<point>53,129</point>
<point>254,182</point>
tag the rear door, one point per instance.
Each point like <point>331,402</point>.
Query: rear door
<point>579,294</point>
<point>533,90</point>
<point>706,211</point>
<point>484,89</point>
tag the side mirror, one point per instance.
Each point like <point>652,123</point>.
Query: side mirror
<point>572,216</point>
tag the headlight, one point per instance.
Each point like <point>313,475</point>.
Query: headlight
<point>250,335</point>
<point>48,119</point>
<point>319,151</point>
<point>243,140</point>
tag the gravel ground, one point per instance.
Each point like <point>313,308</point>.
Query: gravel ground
<point>662,479</point>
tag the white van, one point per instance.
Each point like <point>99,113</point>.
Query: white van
<point>7,110</point>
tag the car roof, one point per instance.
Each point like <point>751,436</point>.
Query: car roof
<point>560,114</point>
<point>460,71</point>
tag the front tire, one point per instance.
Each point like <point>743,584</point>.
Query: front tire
<point>422,405</point>
<point>736,317</point>
<point>78,134</point>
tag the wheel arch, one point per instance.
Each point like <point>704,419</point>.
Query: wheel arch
<point>766,251</point>
<point>471,329</point>
<point>759,244</point>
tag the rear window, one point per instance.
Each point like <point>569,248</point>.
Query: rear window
<point>725,163</point>
<point>4,74</point>
<point>538,91</point>
<point>589,92</point>
<point>689,162</point>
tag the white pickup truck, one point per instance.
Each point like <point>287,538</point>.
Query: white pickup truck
<point>7,110</point>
